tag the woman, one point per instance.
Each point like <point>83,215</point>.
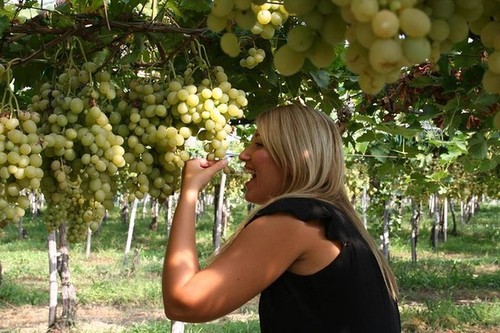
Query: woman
<point>304,250</point>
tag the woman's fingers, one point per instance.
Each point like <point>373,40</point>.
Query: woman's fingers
<point>198,172</point>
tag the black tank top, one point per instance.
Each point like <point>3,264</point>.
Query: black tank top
<point>348,295</point>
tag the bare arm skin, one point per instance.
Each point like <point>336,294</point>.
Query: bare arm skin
<point>260,253</point>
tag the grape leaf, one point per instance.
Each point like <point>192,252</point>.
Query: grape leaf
<point>195,5</point>
<point>321,78</point>
<point>4,23</point>
<point>397,130</point>
<point>130,57</point>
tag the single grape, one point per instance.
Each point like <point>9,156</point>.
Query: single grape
<point>385,24</point>
<point>416,50</point>
<point>414,22</point>
<point>321,54</point>
<point>385,55</point>
<point>300,38</point>
<point>230,44</point>
<point>287,61</point>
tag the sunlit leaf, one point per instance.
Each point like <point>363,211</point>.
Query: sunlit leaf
<point>321,78</point>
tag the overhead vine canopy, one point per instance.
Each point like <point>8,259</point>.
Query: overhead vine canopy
<point>102,96</point>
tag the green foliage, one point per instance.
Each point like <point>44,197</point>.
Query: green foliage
<point>445,314</point>
<point>223,326</point>
<point>439,274</point>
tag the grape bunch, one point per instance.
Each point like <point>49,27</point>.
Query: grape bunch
<point>259,17</point>
<point>81,153</point>
<point>487,26</point>
<point>318,28</point>
<point>91,144</point>
<point>20,163</point>
<point>149,133</point>
<point>219,103</point>
<point>270,17</point>
<point>162,117</point>
<point>255,56</point>
<point>385,37</point>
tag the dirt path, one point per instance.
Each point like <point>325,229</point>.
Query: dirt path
<point>107,319</point>
<point>29,319</point>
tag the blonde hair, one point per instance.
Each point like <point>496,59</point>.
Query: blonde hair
<point>306,144</point>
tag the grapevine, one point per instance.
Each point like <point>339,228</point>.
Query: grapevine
<point>162,117</point>
<point>255,56</point>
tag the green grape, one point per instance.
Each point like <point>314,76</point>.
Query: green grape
<point>222,8</point>
<point>314,20</point>
<point>496,121</point>
<point>364,10</point>
<point>496,42</point>
<point>277,18</point>
<point>257,28</point>
<point>341,3</point>
<point>494,62</point>
<point>347,15</point>
<point>442,8</point>
<point>259,57</point>
<point>364,34</point>
<point>414,22</point>
<point>299,7</point>
<point>416,50</point>
<point>385,55</point>
<point>230,44</point>
<point>268,31</point>
<point>264,17</point>
<point>356,58</point>
<point>477,25</point>
<point>470,13</point>
<point>370,81</point>
<point>459,28</point>
<point>440,30</point>
<point>243,4</point>
<point>29,126</point>
<point>489,32</point>
<point>385,24</point>
<point>321,54</point>
<point>334,29</point>
<point>300,38</point>
<point>11,123</point>
<point>287,61</point>
<point>246,19</point>
<point>491,82</point>
<point>469,4</point>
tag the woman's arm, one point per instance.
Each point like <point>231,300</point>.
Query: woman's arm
<point>181,256</point>
<point>259,254</point>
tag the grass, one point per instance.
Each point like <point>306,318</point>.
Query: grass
<point>456,286</point>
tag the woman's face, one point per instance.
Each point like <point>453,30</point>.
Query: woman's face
<point>267,178</point>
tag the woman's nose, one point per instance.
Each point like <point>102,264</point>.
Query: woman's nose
<point>244,155</point>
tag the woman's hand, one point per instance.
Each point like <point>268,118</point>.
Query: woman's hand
<point>198,172</point>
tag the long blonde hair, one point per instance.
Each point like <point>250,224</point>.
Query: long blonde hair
<point>306,144</point>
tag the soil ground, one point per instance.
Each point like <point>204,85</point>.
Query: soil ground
<point>107,319</point>
<point>91,319</point>
<point>31,319</point>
